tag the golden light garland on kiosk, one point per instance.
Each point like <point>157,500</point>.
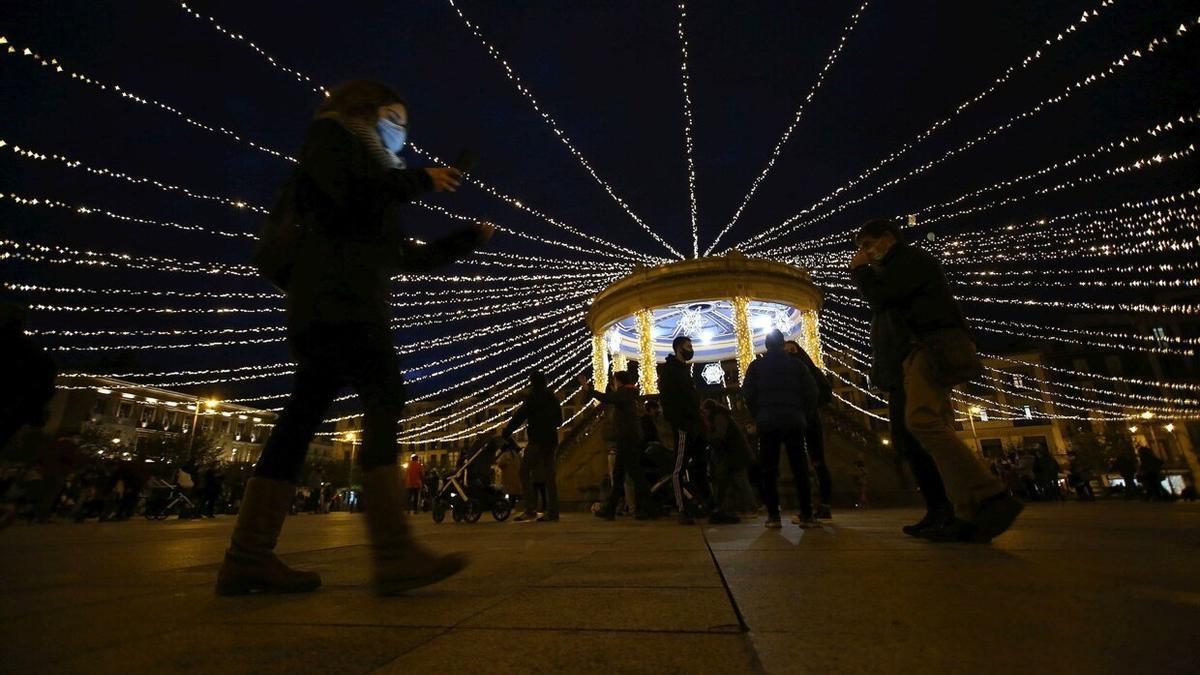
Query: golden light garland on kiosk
<point>647,368</point>
<point>743,335</point>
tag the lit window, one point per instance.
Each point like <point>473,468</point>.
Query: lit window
<point>1160,336</point>
<point>1028,413</point>
<point>1018,380</point>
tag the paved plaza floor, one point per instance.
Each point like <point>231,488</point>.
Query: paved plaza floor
<point>1076,588</point>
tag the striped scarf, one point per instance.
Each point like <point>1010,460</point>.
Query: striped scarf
<point>365,132</point>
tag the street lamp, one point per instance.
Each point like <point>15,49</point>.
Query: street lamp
<point>971,413</point>
<point>211,404</point>
<point>350,437</point>
<point>1147,415</point>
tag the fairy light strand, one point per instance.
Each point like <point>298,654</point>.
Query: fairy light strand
<point>553,124</point>
<point>1114,68</point>
<point>996,83</point>
<point>689,144</point>
<point>787,134</point>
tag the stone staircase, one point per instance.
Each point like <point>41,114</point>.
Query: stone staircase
<point>583,463</point>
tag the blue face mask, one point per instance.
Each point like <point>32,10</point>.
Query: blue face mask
<point>391,135</point>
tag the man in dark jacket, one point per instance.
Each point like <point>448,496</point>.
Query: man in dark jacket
<point>626,426</point>
<point>895,277</point>
<point>781,395</point>
<point>543,413</point>
<point>814,431</point>
<point>681,407</point>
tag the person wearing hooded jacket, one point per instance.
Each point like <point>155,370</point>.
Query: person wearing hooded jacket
<point>344,198</point>
<point>781,395</point>
<point>542,412</point>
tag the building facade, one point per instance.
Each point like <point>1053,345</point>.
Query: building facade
<point>132,417</point>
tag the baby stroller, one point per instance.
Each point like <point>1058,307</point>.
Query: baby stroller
<point>163,499</point>
<point>469,491</point>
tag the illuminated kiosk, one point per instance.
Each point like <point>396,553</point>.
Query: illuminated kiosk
<point>726,304</point>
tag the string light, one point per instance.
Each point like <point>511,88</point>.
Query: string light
<point>128,95</point>
<point>1025,63</point>
<point>1174,402</point>
<point>992,232</point>
<point>1141,163</point>
<point>1105,149</point>
<point>136,292</point>
<point>688,141</point>
<point>561,349</point>
<point>437,208</point>
<point>300,77</point>
<point>486,424</point>
<point>522,206</point>
<point>787,134</point>
<point>257,341</point>
<point>26,153</point>
<point>1114,68</point>
<point>34,252</point>
<point>550,121</point>
<point>479,183</point>
<point>566,364</point>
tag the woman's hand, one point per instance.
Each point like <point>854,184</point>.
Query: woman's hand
<point>584,381</point>
<point>445,178</point>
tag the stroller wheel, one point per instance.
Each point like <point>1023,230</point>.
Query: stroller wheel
<point>473,512</point>
<point>439,511</point>
<point>501,510</point>
<point>457,511</point>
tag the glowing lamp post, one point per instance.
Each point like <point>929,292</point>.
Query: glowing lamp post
<point>971,413</point>
<point>211,404</point>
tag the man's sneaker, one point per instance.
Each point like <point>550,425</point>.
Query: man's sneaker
<point>527,517</point>
<point>994,516</point>
<point>547,518</point>
<point>605,514</point>
<point>824,512</point>
<point>721,518</point>
<point>686,519</point>
<point>773,523</point>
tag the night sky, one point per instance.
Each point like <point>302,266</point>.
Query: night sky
<point>608,72</point>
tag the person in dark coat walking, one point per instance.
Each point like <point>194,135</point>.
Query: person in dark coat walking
<point>908,285</point>
<point>782,396</point>
<point>344,244</point>
<point>542,411</point>
<point>626,426</point>
<point>814,431</point>
<point>681,406</point>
